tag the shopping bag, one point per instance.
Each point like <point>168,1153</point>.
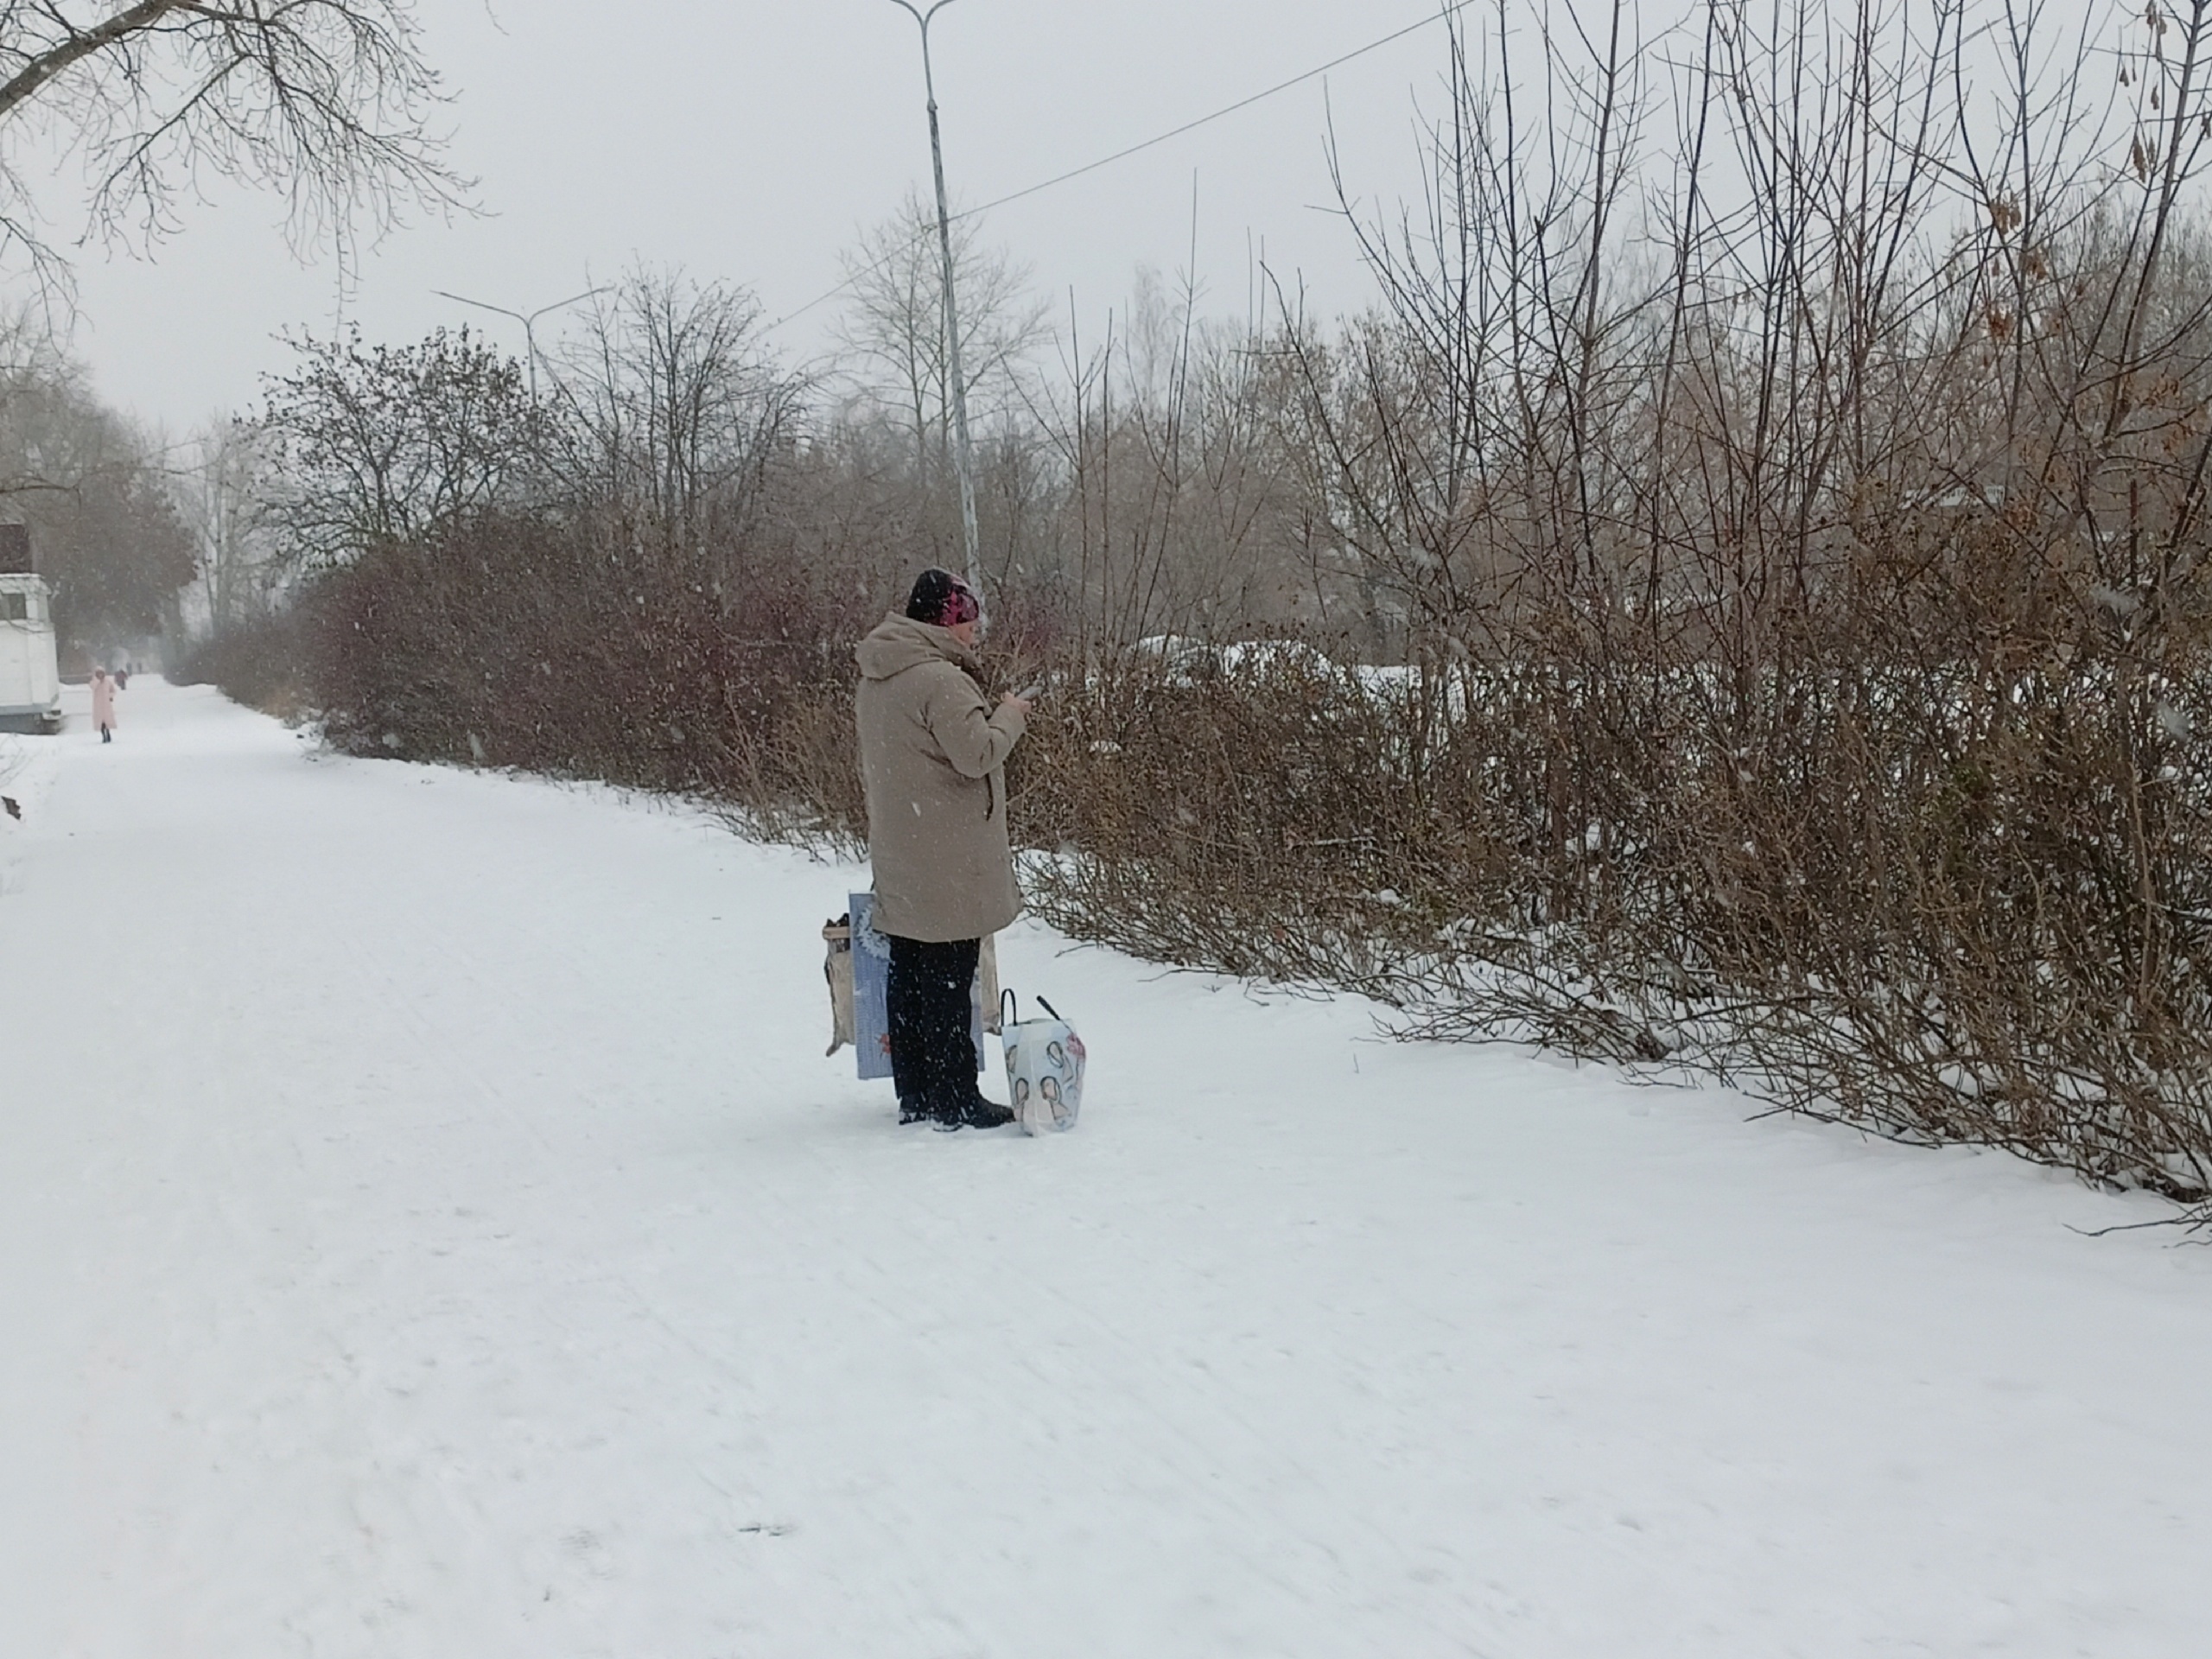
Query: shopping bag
<point>860,957</point>
<point>1045,1062</point>
<point>837,970</point>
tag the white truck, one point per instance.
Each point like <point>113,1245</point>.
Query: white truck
<point>30,671</point>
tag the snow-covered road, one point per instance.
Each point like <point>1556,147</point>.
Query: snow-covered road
<point>427,1226</point>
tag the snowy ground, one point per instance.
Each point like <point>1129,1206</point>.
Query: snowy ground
<point>427,1226</point>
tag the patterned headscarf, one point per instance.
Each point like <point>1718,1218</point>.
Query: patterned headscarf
<point>942,599</point>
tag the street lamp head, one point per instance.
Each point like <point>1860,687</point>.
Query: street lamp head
<point>462,299</point>
<point>918,15</point>
<point>529,321</point>
<point>526,318</point>
<point>573,298</point>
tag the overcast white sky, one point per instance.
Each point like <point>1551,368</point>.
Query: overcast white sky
<point>748,139</point>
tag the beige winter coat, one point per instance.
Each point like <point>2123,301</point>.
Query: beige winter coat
<point>932,752</point>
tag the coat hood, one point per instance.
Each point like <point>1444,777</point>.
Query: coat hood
<point>900,643</point>
<point>932,756</point>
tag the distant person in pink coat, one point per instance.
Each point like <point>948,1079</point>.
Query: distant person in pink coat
<point>104,704</point>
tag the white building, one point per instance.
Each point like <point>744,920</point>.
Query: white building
<point>31,674</point>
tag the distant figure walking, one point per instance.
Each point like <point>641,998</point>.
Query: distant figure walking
<point>104,704</point>
<point>932,750</point>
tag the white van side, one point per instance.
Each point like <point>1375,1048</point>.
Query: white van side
<point>30,671</point>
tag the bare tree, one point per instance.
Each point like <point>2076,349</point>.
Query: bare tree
<point>1173,519</point>
<point>327,100</point>
<point>34,371</point>
<point>894,334</point>
<point>96,493</point>
<point>225,490</point>
<point>671,406</point>
<point>383,444</point>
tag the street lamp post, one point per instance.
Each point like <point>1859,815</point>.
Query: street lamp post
<point>529,321</point>
<point>963,453</point>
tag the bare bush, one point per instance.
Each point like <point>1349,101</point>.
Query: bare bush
<point>1805,633</point>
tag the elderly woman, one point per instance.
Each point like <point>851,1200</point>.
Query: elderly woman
<point>932,756</point>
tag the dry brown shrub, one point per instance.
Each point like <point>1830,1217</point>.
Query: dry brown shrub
<point>1920,908</point>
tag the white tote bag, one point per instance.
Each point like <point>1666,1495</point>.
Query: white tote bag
<point>1044,1069</point>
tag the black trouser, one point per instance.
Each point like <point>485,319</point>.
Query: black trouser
<point>930,1004</point>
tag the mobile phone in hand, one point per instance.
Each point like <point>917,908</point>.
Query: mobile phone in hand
<point>1032,693</point>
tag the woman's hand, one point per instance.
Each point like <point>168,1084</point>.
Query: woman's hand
<point>1019,705</point>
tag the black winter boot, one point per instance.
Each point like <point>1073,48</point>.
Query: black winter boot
<point>948,1119</point>
<point>978,1113</point>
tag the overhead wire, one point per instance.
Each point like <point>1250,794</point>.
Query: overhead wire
<point>1450,8</point>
